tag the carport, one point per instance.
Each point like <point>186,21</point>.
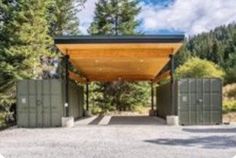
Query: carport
<point>110,58</point>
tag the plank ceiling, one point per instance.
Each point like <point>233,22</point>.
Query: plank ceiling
<point>108,58</point>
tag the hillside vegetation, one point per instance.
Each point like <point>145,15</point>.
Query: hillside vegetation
<point>218,46</point>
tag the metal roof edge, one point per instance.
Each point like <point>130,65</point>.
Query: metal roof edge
<point>161,38</point>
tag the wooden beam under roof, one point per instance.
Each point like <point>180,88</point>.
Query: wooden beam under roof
<point>121,77</point>
<point>162,76</point>
<point>120,53</point>
<point>76,77</point>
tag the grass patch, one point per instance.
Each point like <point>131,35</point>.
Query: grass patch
<point>138,109</point>
<point>2,121</point>
<point>229,106</point>
<point>141,109</point>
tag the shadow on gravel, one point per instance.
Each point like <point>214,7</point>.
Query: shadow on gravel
<point>97,120</point>
<point>135,120</point>
<point>210,142</point>
<point>210,130</point>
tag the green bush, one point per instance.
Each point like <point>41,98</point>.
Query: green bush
<point>230,76</point>
<point>139,109</point>
<point>2,120</point>
<point>198,68</point>
<point>6,114</point>
<point>96,110</point>
<point>103,109</point>
<point>229,106</point>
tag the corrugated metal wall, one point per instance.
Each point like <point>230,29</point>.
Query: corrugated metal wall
<point>163,101</point>
<point>40,103</point>
<point>196,101</point>
<point>76,97</point>
<point>200,101</point>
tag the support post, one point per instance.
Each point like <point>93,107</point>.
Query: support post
<point>87,96</point>
<point>152,94</point>
<point>172,69</point>
<point>67,85</point>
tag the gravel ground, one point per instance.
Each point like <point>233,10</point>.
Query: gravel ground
<point>121,140</point>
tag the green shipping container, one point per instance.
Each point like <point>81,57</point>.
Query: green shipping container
<point>195,101</point>
<point>40,103</point>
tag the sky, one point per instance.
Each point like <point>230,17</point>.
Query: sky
<point>190,17</point>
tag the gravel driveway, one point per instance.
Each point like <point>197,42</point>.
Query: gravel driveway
<point>123,137</point>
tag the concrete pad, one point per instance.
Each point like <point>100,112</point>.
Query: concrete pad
<point>105,120</point>
<point>159,120</point>
<point>67,121</point>
<point>134,120</point>
<point>172,120</point>
<point>85,120</point>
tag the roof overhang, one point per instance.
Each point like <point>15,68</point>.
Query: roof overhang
<point>107,58</point>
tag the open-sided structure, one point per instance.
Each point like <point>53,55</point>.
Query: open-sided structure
<point>108,58</point>
<point>131,58</point>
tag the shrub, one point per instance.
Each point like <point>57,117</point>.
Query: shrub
<point>197,68</point>
<point>230,76</point>
<point>7,115</point>
<point>96,110</point>
<point>2,120</point>
<point>139,109</point>
<point>229,106</point>
<point>229,92</point>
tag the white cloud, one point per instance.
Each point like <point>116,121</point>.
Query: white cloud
<point>190,16</point>
<point>86,15</point>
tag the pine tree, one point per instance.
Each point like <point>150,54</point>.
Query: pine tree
<point>117,17</point>
<point>24,38</point>
<point>62,17</point>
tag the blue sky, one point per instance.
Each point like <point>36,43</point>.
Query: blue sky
<point>174,16</point>
<point>163,3</point>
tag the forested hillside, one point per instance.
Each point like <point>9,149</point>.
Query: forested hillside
<point>218,45</point>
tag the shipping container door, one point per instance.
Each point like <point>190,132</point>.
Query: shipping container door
<point>207,101</point>
<point>23,104</point>
<point>56,102</point>
<point>212,101</point>
<point>189,102</point>
<point>199,102</point>
<point>46,100</point>
<point>183,101</point>
<point>39,103</point>
<point>194,107</point>
<point>215,101</point>
<point>32,85</point>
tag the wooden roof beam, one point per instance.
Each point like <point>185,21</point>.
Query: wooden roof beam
<point>162,76</point>
<point>121,77</point>
<point>119,53</point>
<point>76,77</point>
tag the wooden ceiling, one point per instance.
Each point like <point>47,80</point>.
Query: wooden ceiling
<point>133,58</point>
